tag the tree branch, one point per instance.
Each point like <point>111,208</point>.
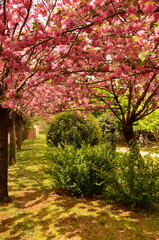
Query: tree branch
<point>25,20</point>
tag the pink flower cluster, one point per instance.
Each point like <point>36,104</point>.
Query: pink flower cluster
<point>148,7</point>
<point>10,93</point>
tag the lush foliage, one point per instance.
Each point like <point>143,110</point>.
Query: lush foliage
<point>149,126</point>
<point>82,172</point>
<point>90,171</point>
<point>149,123</point>
<point>68,128</point>
<point>136,181</point>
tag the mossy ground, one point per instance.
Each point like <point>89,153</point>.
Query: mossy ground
<point>39,213</point>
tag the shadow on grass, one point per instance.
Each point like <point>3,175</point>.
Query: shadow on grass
<point>52,216</point>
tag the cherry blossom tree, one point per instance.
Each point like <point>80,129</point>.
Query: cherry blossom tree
<point>129,49</point>
<point>123,61</point>
<point>36,38</point>
<point>115,64</point>
<point>82,54</point>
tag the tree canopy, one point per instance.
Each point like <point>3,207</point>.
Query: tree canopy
<point>71,50</point>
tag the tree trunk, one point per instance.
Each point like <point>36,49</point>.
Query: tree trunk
<point>20,125</point>
<point>130,139</point>
<point>128,133</point>
<point>19,134</point>
<point>12,152</point>
<point>4,118</point>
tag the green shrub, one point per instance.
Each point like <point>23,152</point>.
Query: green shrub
<point>136,181</point>
<point>83,171</point>
<point>93,171</point>
<point>68,128</point>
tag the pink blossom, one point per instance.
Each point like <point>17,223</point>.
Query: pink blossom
<point>66,1</point>
<point>97,20</point>
<point>157,30</point>
<point>156,16</point>
<point>30,82</point>
<point>142,33</point>
<point>148,7</point>
<point>10,93</point>
<point>2,26</point>
<point>96,2</point>
<point>119,57</point>
<point>137,26</point>
<point>105,67</point>
<point>26,3</point>
<point>118,71</point>
<point>132,9</point>
<point>119,41</point>
<point>12,103</point>
<point>5,105</point>
<point>7,53</point>
<point>33,102</point>
<point>8,80</point>
<point>108,46</point>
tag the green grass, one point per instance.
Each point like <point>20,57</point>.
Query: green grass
<point>39,213</point>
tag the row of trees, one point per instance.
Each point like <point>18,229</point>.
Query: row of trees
<point>84,55</point>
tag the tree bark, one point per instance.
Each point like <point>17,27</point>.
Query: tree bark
<point>4,119</point>
<point>12,152</point>
<point>19,133</point>
<point>128,132</point>
<point>130,139</point>
<point>21,130</point>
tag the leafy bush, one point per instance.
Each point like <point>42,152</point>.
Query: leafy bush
<point>92,171</point>
<point>136,181</point>
<point>68,128</point>
<point>83,171</point>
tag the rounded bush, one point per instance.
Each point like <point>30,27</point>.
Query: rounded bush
<point>70,129</point>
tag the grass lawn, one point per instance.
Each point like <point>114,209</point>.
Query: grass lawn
<point>37,213</point>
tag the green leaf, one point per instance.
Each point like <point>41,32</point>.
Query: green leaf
<point>143,55</point>
<point>93,11</point>
<point>139,62</point>
<point>2,99</point>
<point>49,81</point>
<point>156,59</point>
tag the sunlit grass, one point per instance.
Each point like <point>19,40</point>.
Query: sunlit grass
<point>37,213</point>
